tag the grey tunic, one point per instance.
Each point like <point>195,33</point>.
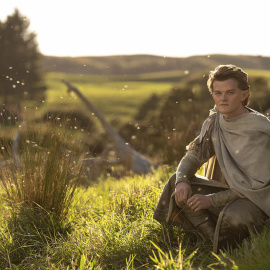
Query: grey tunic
<point>242,148</point>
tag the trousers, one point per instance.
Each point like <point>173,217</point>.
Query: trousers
<point>227,225</point>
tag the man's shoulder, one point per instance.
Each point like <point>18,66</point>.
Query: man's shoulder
<point>210,119</point>
<point>207,126</point>
<point>257,117</point>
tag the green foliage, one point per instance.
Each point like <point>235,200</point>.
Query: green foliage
<point>170,122</point>
<point>19,67</point>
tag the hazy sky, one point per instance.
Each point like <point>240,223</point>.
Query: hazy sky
<point>166,28</point>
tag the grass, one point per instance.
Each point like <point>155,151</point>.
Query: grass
<point>115,99</point>
<point>107,228</point>
<point>43,174</point>
<point>38,191</point>
<point>110,226</point>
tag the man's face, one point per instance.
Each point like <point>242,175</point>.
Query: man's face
<point>228,98</point>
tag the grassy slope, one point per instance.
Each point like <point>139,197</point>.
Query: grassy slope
<point>112,227</point>
<point>116,99</point>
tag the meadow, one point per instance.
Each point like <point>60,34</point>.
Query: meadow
<point>109,224</point>
<point>116,97</point>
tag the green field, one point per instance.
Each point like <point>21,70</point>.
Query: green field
<point>116,99</point>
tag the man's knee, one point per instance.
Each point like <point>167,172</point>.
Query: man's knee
<point>241,216</point>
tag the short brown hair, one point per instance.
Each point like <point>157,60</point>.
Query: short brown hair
<point>225,72</point>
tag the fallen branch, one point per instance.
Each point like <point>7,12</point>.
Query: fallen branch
<point>131,159</point>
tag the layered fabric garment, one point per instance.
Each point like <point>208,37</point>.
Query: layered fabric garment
<point>242,148</point>
<point>237,152</point>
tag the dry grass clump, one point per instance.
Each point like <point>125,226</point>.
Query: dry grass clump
<point>45,174</point>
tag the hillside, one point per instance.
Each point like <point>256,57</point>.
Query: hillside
<point>138,64</point>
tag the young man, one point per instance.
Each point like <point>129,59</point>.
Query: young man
<point>235,143</point>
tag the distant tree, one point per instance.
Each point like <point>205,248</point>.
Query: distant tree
<point>20,73</point>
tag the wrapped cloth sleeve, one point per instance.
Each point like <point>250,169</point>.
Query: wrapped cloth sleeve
<point>194,159</point>
<point>223,197</point>
<point>187,167</point>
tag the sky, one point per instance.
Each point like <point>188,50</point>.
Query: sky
<point>169,28</point>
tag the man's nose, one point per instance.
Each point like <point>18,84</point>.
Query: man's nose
<point>223,96</point>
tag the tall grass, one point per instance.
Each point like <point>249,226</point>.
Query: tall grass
<point>43,178</point>
<point>39,191</point>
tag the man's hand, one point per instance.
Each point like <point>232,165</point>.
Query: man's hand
<point>198,202</point>
<point>182,192</point>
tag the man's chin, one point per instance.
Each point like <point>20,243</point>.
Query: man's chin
<point>223,109</point>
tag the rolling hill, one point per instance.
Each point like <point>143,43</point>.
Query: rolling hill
<point>139,64</point>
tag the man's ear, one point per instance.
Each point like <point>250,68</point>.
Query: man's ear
<point>244,94</point>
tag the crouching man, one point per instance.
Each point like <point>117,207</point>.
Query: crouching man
<point>234,145</point>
